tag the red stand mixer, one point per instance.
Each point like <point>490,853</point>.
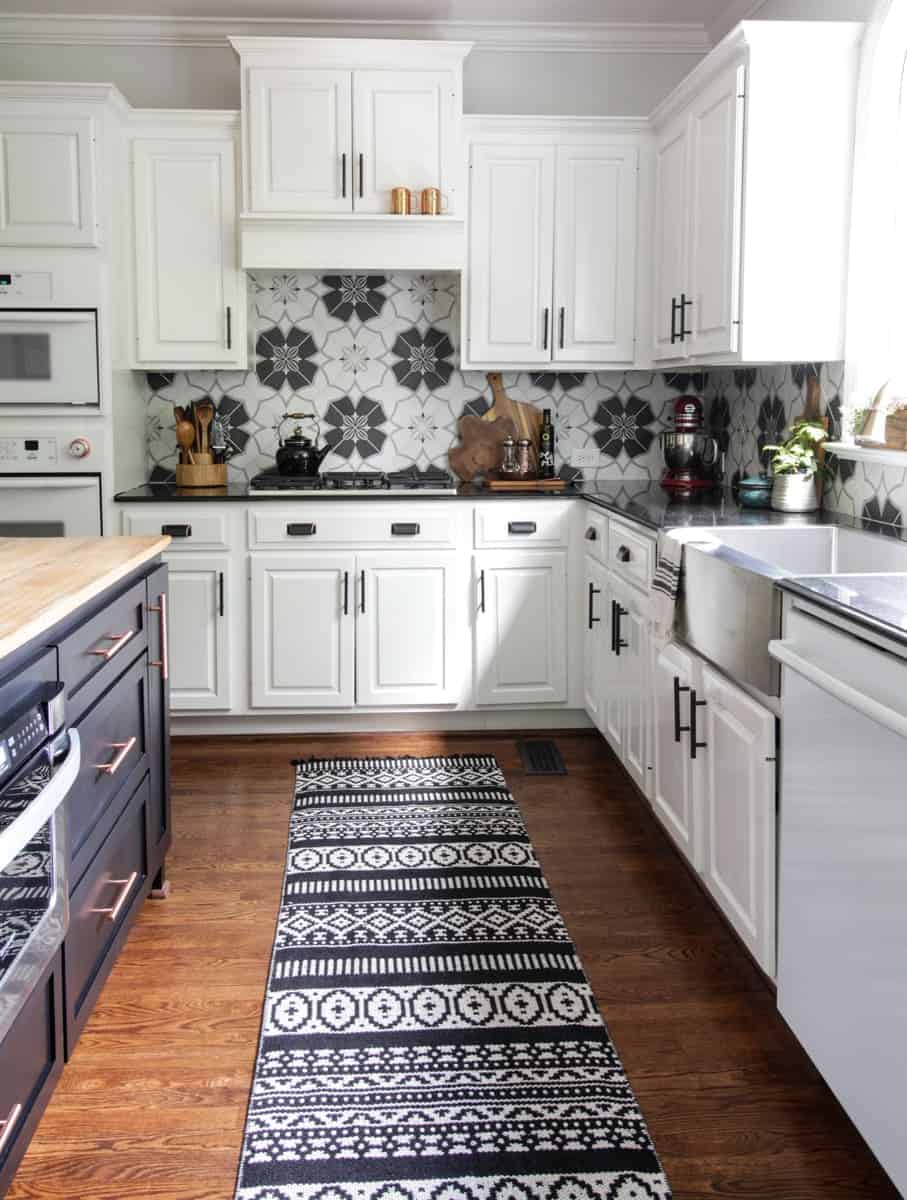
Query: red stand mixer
<point>690,454</point>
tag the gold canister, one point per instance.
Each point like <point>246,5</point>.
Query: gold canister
<point>401,201</point>
<point>434,202</point>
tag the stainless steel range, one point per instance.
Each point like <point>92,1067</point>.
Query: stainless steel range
<point>431,481</point>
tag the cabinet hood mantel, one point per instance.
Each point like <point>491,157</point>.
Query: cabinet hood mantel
<point>352,242</point>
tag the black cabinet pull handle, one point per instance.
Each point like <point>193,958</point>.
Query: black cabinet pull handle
<point>343,175</point>
<point>695,744</point>
<point>229,328</point>
<point>545,328</point>
<point>593,592</point>
<point>619,642</point>
<point>623,554</point>
<point>684,305</point>
<point>361,175</point>
<point>346,593</point>
<point>560,335</point>
<point>303,529</point>
<point>591,534</point>
<point>362,591</point>
<point>181,531</point>
<point>404,529</point>
<point>481,591</point>
<point>678,728</point>
<point>220,592</point>
<point>521,528</point>
<point>675,336</point>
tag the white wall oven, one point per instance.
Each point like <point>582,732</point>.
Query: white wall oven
<point>49,359</point>
<point>50,485</point>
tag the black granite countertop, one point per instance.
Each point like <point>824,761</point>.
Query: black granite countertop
<point>167,493</point>
<point>875,602</point>
<point>650,505</point>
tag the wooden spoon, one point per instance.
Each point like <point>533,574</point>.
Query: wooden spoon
<point>204,414</point>
<point>185,436</point>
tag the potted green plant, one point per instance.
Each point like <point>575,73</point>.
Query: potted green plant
<point>795,465</point>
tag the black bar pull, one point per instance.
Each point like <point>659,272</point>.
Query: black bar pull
<point>346,593</point>
<point>695,744</point>
<point>182,531</point>
<point>481,591</point>
<point>229,328</point>
<point>220,592</point>
<point>593,592</point>
<point>362,591</point>
<point>675,336</point>
<point>545,327</point>
<point>343,175</point>
<point>619,642</point>
<point>521,528</point>
<point>684,305</point>
<point>302,529</point>
<point>591,534</point>
<point>678,728</point>
<point>560,335</point>
<point>361,176</point>
<point>404,528</point>
<point>623,554</point>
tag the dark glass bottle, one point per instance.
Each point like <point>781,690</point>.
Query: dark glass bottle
<point>546,447</point>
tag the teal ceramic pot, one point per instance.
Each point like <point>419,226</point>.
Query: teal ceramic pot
<point>755,492</point>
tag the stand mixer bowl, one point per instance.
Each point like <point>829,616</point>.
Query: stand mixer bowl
<point>691,453</point>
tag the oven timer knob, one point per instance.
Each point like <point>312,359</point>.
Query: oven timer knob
<point>80,447</point>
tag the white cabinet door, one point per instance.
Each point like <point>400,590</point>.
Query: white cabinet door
<point>201,596</point>
<point>408,639</point>
<point>401,134</point>
<point>302,628</point>
<point>671,163</point>
<point>300,138</point>
<point>595,256</point>
<point>739,805</point>
<point>633,629</point>
<point>189,293</point>
<point>614,696</point>
<point>675,802</point>
<point>595,645</point>
<point>521,628</point>
<point>47,181</point>
<point>716,201</point>
<point>511,254</point>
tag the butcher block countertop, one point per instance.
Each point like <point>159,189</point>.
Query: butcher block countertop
<point>44,580</point>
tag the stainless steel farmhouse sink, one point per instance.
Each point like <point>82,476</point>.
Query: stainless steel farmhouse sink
<point>729,607</point>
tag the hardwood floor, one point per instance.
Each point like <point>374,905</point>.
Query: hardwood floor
<point>153,1102</point>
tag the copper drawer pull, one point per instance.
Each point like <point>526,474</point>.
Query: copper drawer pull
<point>119,641</point>
<point>114,912</point>
<point>9,1125</point>
<point>164,661</point>
<point>111,768</point>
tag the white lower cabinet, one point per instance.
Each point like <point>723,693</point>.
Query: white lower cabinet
<point>716,792</point>
<point>303,631</point>
<point>200,591</point>
<point>521,627</point>
<point>595,593</point>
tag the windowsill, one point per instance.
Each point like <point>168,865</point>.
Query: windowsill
<point>874,454</point>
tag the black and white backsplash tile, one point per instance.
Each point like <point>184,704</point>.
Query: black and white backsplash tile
<point>374,358</point>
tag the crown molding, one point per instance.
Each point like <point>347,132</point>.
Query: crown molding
<point>479,125</point>
<point>57,29</point>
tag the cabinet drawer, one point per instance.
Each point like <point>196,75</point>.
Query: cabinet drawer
<point>94,655</point>
<point>540,524</point>
<point>340,523</point>
<point>114,751</point>
<point>631,554</point>
<point>190,528</point>
<point>101,909</point>
<point>595,535</point>
<point>31,1059</point>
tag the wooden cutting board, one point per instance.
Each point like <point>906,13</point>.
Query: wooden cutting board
<point>480,450</point>
<point>526,418</point>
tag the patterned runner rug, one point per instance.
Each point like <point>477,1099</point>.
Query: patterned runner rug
<point>428,1031</point>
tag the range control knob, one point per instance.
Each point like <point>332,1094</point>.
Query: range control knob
<point>80,447</point>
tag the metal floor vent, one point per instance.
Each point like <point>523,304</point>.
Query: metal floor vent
<point>541,757</point>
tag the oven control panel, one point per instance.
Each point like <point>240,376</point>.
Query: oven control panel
<point>17,743</point>
<point>27,285</point>
<point>25,450</point>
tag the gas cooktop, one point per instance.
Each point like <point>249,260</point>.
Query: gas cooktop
<point>342,483</point>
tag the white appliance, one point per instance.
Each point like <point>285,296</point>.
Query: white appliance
<point>50,484</point>
<point>842,903</point>
<point>49,358</point>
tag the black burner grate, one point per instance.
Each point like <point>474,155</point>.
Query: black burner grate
<point>541,757</point>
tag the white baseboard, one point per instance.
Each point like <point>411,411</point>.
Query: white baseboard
<point>423,722</point>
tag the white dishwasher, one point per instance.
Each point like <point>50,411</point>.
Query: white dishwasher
<point>842,902</point>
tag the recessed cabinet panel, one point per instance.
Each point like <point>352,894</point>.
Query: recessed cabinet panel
<point>47,183</point>
<point>671,154</point>
<point>595,646</point>
<point>399,118</point>
<point>302,628</point>
<point>199,661</point>
<point>300,140</point>
<point>595,254</point>
<point>674,793</point>
<point>511,236</point>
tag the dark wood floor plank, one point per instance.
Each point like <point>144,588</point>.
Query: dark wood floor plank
<point>154,1100</point>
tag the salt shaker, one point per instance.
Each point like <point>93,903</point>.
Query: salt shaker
<point>509,465</point>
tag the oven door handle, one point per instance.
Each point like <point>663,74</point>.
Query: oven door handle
<point>16,837</point>
<point>32,316</point>
<point>45,483</point>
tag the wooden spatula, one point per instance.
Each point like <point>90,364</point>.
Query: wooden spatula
<point>204,414</point>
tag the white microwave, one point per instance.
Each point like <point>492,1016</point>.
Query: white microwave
<point>49,358</point>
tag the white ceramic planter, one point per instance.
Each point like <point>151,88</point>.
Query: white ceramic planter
<point>794,493</point>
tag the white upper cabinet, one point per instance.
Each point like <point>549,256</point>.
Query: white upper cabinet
<point>595,253</point>
<point>553,248</point>
<point>189,291</point>
<point>510,253</point>
<point>733,210</point>
<point>300,140</point>
<point>47,179</point>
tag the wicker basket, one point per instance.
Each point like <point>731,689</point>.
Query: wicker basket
<point>197,476</point>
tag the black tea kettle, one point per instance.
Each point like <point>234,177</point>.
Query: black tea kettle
<point>297,454</point>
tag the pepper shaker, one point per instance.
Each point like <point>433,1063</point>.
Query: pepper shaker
<point>524,458</point>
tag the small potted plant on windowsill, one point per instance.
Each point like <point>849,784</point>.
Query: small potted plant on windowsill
<point>795,463</point>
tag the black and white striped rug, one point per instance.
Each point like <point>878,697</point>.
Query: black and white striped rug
<point>428,1032</point>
